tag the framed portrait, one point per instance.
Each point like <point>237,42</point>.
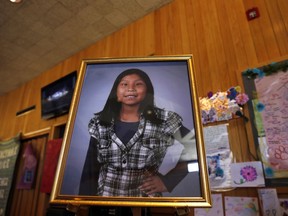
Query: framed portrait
<point>134,136</point>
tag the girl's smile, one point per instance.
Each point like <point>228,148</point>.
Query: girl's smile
<point>131,90</point>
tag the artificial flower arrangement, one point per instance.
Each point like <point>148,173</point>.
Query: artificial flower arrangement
<point>223,105</point>
<point>266,70</point>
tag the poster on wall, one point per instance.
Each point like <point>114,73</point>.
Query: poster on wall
<point>8,155</point>
<point>268,89</point>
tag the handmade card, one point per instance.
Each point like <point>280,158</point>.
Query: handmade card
<point>247,174</point>
<point>241,206</point>
<point>269,201</point>
<point>216,209</point>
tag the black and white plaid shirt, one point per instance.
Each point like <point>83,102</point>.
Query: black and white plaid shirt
<point>125,165</point>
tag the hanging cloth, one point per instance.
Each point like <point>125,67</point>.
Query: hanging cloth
<point>29,169</point>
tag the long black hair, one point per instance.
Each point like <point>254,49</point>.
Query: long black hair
<point>112,106</point>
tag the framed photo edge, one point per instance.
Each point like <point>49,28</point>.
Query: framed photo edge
<point>202,201</point>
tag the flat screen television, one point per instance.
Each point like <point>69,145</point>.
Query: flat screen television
<point>57,96</point>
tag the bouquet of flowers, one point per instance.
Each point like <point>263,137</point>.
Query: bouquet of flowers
<point>223,105</point>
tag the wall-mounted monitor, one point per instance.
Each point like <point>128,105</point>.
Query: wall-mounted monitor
<point>57,96</point>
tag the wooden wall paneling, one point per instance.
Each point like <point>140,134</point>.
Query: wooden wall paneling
<point>38,133</point>
<point>52,74</point>
<point>217,70</point>
<point>175,29</point>
<point>267,30</point>
<point>262,32</point>
<point>236,147</point>
<point>277,18</point>
<point>120,44</point>
<point>224,16</point>
<point>4,99</point>
<point>8,118</point>
<point>283,8</point>
<point>24,96</point>
<point>250,139</point>
<point>31,119</point>
<point>247,128</point>
<point>2,108</point>
<point>167,30</point>
<point>179,30</point>
<point>224,77</point>
<point>144,36</point>
<point>256,33</point>
<point>131,40</point>
<point>248,153</point>
<point>191,20</point>
<point>71,64</point>
<point>243,40</point>
<point>115,44</point>
<point>253,151</point>
<point>14,107</point>
<point>241,46</point>
<point>250,192</point>
<point>175,33</point>
<point>200,51</point>
<point>9,126</point>
<point>97,50</point>
<point>134,40</point>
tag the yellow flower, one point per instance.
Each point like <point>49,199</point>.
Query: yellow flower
<point>238,89</point>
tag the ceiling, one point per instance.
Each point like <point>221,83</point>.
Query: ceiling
<point>35,35</point>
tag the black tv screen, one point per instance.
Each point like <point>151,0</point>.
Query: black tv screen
<point>57,96</point>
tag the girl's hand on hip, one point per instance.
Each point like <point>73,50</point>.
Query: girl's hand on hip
<point>152,184</point>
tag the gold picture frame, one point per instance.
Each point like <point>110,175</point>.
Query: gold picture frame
<point>174,91</point>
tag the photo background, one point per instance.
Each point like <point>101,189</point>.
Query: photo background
<point>172,92</point>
